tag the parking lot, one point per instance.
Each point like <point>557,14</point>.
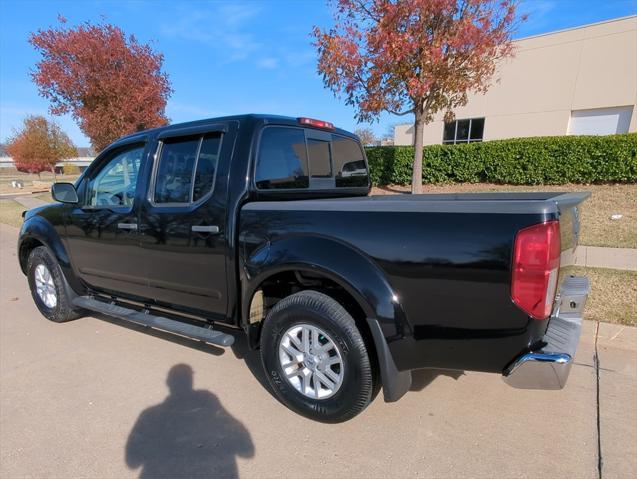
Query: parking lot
<point>96,398</point>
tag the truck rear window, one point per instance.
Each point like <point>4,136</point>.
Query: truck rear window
<point>289,160</point>
<point>319,153</point>
<point>282,160</point>
<point>349,162</point>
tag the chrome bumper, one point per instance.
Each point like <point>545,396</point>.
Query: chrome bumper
<point>549,367</point>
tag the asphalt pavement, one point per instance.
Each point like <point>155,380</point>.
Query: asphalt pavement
<point>96,399</point>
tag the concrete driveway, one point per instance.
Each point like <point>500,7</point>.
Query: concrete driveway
<point>90,399</point>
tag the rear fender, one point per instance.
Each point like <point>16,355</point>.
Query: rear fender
<point>353,271</point>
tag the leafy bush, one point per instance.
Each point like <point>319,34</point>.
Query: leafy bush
<point>519,161</point>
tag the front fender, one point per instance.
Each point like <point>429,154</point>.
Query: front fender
<point>37,230</point>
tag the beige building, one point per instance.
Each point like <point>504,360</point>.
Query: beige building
<point>579,81</point>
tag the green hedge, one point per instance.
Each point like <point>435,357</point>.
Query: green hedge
<point>519,161</point>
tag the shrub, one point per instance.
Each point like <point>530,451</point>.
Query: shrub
<point>519,161</point>
<point>71,169</point>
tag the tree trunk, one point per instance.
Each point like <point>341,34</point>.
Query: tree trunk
<point>416,178</point>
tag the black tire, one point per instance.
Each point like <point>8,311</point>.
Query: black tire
<point>63,310</point>
<point>358,385</point>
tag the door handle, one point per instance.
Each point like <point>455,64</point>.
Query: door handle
<point>205,229</point>
<point>127,226</point>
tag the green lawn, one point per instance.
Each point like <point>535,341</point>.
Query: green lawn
<point>11,212</point>
<point>45,197</point>
<point>27,179</point>
<point>613,297</point>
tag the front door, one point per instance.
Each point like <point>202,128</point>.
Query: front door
<point>183,225</point>
<point>102,230</point>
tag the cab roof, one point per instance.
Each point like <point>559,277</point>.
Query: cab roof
<point>246,118</point>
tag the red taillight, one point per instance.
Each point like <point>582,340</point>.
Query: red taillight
<point>316,123</point>
<point>536,264</point>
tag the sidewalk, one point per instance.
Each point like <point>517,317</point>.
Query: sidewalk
<point>616,352</point>
<point>30,201</point>
<point>601,257</point>
<point>18,193</point>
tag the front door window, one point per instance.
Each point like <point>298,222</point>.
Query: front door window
<point>116,182</point>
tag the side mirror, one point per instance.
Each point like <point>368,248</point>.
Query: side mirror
<point>64,193</point>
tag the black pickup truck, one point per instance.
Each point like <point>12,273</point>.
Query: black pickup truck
<point>263,226</point>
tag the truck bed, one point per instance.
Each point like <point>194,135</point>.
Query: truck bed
<point>447,257</point>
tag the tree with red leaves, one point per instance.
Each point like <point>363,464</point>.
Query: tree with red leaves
<point>111,84</point>
<point>414,56</point>
<point>39,145</point>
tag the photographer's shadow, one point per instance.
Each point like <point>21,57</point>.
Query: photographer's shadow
<point>190,434</point>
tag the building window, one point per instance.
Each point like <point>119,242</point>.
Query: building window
<point>463,131</point>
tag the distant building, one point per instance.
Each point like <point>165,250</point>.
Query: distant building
<point>84,158</point>
<point>580,81</point>
<point>5,160</point>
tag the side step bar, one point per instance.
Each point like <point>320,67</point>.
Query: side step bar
<point>158,322</point>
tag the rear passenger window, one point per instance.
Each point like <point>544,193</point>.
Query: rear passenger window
<point>186,170</point>
<point>206,167</point>
<point>282,159</point>
<point>349,163</point>
<point>174,175</point>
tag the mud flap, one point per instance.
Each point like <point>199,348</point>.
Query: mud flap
<point>395,383</point>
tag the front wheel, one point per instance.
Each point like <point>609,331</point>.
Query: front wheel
<point>48,290</point>
<point>316,359</point>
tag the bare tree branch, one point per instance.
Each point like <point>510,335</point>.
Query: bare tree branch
<point>400,113</point>
<point>364,8</point>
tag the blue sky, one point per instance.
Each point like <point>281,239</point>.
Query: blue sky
<point>227,57</point>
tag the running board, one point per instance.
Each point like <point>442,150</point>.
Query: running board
<point>158,322</point>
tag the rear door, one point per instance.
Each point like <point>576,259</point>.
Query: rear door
<point>183,221</point>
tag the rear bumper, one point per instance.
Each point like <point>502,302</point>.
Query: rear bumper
<point>549,367</point>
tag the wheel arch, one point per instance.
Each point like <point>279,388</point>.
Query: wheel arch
<point>365,294</point>
<point>342,263</point>
<point>37,232</point>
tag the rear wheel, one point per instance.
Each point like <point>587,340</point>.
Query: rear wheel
<point>316,359</point>
<point>48,287</point>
